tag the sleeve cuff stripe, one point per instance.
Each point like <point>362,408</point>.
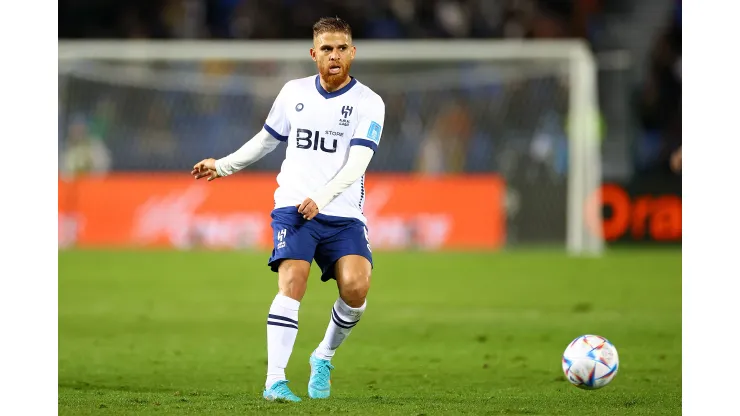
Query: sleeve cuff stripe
<point>275,134</point>
<point>364,142</point>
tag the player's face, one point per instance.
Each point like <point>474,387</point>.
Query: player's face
<point>333,53</point>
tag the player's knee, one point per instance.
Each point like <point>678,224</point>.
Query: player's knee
<point>292,287</point>
<point>292,278</point>
<point>355,287</point>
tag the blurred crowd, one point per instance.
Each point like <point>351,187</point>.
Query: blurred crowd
<point>115,126</point>
<point>292,19</point>
<point>659,100</point>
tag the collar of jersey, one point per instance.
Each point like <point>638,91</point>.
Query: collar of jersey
<point>337,93</point>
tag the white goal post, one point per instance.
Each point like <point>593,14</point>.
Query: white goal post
<point>573,57</point>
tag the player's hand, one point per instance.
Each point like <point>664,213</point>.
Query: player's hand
<point>308,208</point>
<point>676,160</point>
<point>206,168</point>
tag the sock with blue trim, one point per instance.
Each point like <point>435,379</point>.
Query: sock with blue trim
<point>282,328</point>
<point>343,319</point>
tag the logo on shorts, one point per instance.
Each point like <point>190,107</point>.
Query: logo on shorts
<point>281,238</point>
<point>299,107</point>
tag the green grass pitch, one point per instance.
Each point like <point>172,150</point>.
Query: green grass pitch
<point>160,332</point>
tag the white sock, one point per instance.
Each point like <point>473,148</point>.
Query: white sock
<point>282,328</point>
<point>343,319</point>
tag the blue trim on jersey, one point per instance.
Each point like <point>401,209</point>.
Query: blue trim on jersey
<point>275,134</point>
<point>362,191</point>
<point>364,142</point>
<point>326,94</point>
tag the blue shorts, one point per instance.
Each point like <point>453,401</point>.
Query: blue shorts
<point>325,238</point>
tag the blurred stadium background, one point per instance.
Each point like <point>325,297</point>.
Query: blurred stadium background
<point>162,281</point>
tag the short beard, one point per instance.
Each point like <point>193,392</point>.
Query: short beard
<point>335,80</point>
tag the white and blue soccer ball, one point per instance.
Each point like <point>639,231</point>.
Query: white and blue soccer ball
<point>590,362</point>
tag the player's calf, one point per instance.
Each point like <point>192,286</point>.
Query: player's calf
<point>282,323</point>
<point>343,319</point>
<point>353,279</point>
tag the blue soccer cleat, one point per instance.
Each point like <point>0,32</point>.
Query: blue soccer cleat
<point>319,385</point>
<point>280,392</point>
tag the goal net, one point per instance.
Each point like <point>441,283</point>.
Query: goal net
<point>524,110</point>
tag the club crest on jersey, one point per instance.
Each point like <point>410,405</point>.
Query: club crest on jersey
<point>346,113</point>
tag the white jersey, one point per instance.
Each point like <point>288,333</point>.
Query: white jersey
<point>319,128</point>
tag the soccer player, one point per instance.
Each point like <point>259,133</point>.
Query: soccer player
<point>332,125</point>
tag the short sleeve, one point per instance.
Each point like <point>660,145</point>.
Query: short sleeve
<point>370,127</point>
<point>277,123</point>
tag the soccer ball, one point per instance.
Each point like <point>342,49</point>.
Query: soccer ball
<point>590,362</point>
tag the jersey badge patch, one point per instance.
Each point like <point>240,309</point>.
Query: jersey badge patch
<point>373,133</point>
